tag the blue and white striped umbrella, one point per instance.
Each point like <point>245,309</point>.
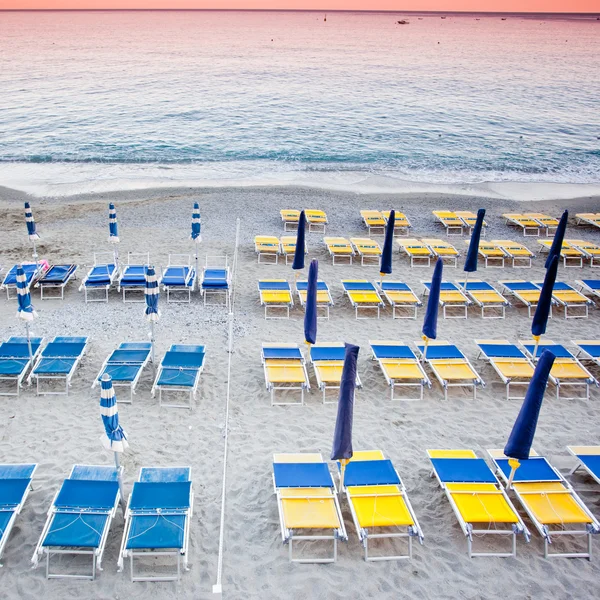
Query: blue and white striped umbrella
<point>116,438</point>
<point>151,294</point>
<point>196,224</point>
<point>33,236</point>
<point>113,227</point>
<point>25,311</point>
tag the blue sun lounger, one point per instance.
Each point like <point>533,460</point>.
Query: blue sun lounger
<point>363,295</point>
<point>486,296</point>
<point>80,517</point>
<point>527,292</point>
<point>451,297</point>
<point>133,275</point>
<point>15,484</point>
<point>400,295</point>
<point>125,365</point>
<point>179,278</point>
<point>216,281</point>
<point>589,350</point>
<point>56,278</point>
<point>157,519</point>
<point>59,361</point>
<point>590,285</point>
<point>32,272</point>
<point>15,360</point>
<point>179,371</point>
<point>588,459</point>
<point>100,277</point>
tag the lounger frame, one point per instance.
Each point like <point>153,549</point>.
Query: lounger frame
<point>225,291</point>
<point>18,380</point>
<point>320,305</point>
<point>409,309</point>
<point>460,308</point>
<point>272,386</point>
<point>182,261</point>
<point>323,385</point>
<point>13,286</point>
<point>363,306</point>
<point>58,285</point>
<point>134,259</point>
<point>285,306</point>
<point>111,277</point>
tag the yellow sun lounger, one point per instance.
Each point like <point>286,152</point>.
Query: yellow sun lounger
<point>440,249</point>
<point>570,299</point>
<point>275,294</point>
<point>374,221</point>
<point>317,219</point>
<point>288,247</point>
<point>486,296</point>
<point>572,257</point>
<point>451,221</point>
<point>490,252</point>
<point>588,458</point>
<point>470,218</point>
<point>324,299</point>
<point>290,218</point>
<point>284,369</point>
<point>592,219</point>
<point>451,297</point>
<point>527,292</point>
<point>519,254</point>
<point>327,359</point>
<point>307,503</point>
<point>529,225</point>
<point>366,248</point>
<point>450,366</point>
<point>549,223</point>
<point>400,367</point>
<point>400,296</point>
<point>339,247</point>
<point>416,251</point>
<point>379,503</point>
<point>479,502</point>
<point>363,295</point>
<point>550,502</point>
<point>267,246</point>
<point>402,225</point>
<point>589,249</point>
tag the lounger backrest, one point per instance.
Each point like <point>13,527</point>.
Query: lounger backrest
<point>24,471</point>
<point>327,352</point>
<point>94,472</point>
<point>264,284</point>
<point>392,351</point>
<point>501,350</point>
<point>172,495</point>
<point>183,360</point>
<point>358,286</point>
<point>371,472</point>
<point>463,470</point>
<point>165,474</point>
<point>303,286</point>
<point>536,469</point>
<point>87,493</point>
<point>63,349</point>
<point>282,352</point>
<point>58,273</point>
<point>446,351</point>
<point>302,475</point>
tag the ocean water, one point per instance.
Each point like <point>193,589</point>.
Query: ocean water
<point>273,96</point>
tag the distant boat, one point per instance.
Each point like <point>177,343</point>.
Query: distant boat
<point>403,22</point>
<point>442,17</point>
<point>325,19</point>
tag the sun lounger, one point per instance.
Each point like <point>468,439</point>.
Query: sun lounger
<point>316,219</point>
<point>451,297</point>
<point>588,459</point>
<point>527,292</point>
<point>15,361</point>
<point>80,517</point>
<point>589,249</point>
<point>157,520</point>
<point>590,285</point>
<point>288,247</point>
<point>450,366</point>
<point>100,277</point>
<point>486,296</point>
<point>400,367</point>
<point>275,294</point>
<point>125,366</point>
<point>55,278</point>
<point>179,371</point>
<point>215,280</point>
<point>572,257</point>
<point>327,360</point>
<point>267,246</point>
<point>518,253</point>
<point>402,225</point>
<point>15,484</point>
<point>550,224</point>
<point>440,249</point>
<point>290,219</point>
<point>32,272</point>
<point>324,298</point>
<point>589,350</point>
<point>550,502</point>
<point>363,295</point>
<point>379,503</point>
<point>451,221</point>
<point>469,218</point>
<point>179,279</point>
<point>133,275</point>
<point>307,503</point>
<point>58,361</point>
<point>570,299</point>
<point>400,296</point>
<point>592,219</point>
<point>479,502</point>
<point>374,221</point>
<point>566,372</point>
<point>285,369</point>
<point>339,247</point>
<point>529,225</point>
<point>490,251</point>
<point>510,363</point>
<point>366,249</point>
<point>416,251</point>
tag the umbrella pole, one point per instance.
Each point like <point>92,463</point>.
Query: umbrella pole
<point>343,463</point>
<point>514,465</point>
<point>466,281</point>
<point>426,340</point>
<point>35,254</point>
<point>197,276</point>
<point>152,340</point>
<point>120,480</point>
<point>28,340</point>
<point>537,343</point>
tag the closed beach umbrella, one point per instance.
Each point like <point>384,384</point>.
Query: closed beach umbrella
<point>472,254</point>
<point>151,294</point>
<point>542,310</point>
<point>113,229</point>
<point>115,439</point>
<point>431,314</point>
<point>196,235</point>
<point>342,437</point>
<point>25,310</point>
<point>521,437</point>
<point>388,246</point>
<point>31,232</point>
<point>299,252</point>
<point>310,314</point>
<point>559,236</point>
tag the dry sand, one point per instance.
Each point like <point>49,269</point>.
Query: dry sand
<point>59,431</point>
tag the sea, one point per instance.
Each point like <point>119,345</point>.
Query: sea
<point>102,100</point>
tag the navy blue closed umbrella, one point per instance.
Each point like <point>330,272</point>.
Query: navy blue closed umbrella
<point>544,306</point>
<point>310,314</point>
<point>431,314</point>
<point>473,252</point>
<point>559,236</point>
<point>300,250</point>
<point>521,437</point>
<point>342,437</point>
<point>388,246</point>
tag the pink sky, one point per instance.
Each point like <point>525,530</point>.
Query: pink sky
<point>398,5</point>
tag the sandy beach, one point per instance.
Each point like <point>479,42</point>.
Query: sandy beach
<point>58,431</point>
